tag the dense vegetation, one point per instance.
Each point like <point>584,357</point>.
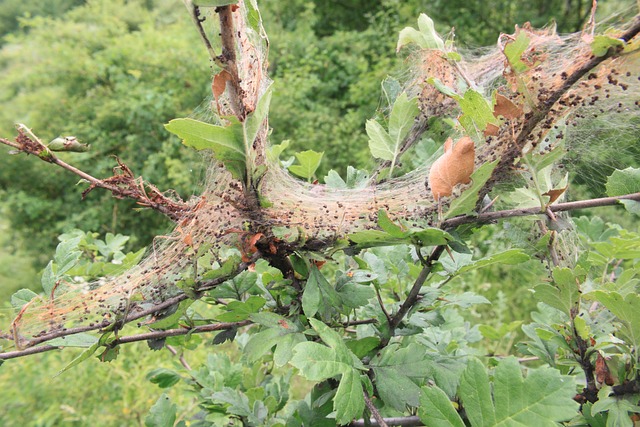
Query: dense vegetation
<point>142,66</point>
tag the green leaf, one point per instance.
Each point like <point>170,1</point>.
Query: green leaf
<point>389,226</point>
<point>21,297</point>
<point>543,398</point>
<point>363,346</point>
<point>514,50</point>
<point>621,182</point>
<point>309,161</point>
<point>349,400</point>
<point>436,410</point>
<point>77,340</point>
<point>385,145</point>
<point>601,44</point>
<point>565,295</point>
<point>627,309</point>
<point>426,37</point>
<point>437,83</point>
<point>474,385</point>
<point>162,413</point>
<point>238,310</point>
<point>317,362</point>
<point>466,203</point>
<point>171,319</point>
<point>393,369</point>
<point>163,377</point>
<point>274,151</point>
<point>508,257</point>
<point>356,179</point>
<point>81,358</point>
<point>626,181</point>
<point>48,279</point>
<point>319,296</point>
<point>477,112</point>
<point>380,142</point>
<point>225,142</point>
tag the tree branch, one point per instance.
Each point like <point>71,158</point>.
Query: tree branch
<point>122,185</point>
<point>154,335</point>
<point>559,207</point>
<point>135,312</point>
<point>374,411</point>
<point>412,298</point>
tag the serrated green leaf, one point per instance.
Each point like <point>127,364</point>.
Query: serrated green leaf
<point>319,296</point>
<point>21,297</point>
<point>259,344</point>
<point>274,151</point>
<point>542,399</point>
<point>508,257</point>
<point>81,358</point>
<point>380,142</point>
<point>81,340</point>
<point>565,295</point>
<point>436,410</point>
<point>349,400</point>
<point>239,310</point>
<point>623,182</point>
<point>284,348</point>
<point>431,236</point>
<point>356,179</point>
<point>426,37</point>
<point>393,369</point>
<point>474,386</point>
<point>513,50</point>
<point>627,309</point>
<point>477,112</point>
<point>225,142</point>
<point>317,362</point>
<point>601,44</point>
<point>309,161</point>
<point>389,226</point>
<point>363,346</point>
<point>171,319</point>
<point>48,279</point>
<point>163,377</point>
<point>466,203</point>
<point>162,413</point>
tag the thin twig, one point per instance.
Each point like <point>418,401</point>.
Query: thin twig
<point>384,310</point>
<point>559,207</point>
<point>412,298</point>
<point>154,335</point>
<point>374,411</point>
<point>181,358</point>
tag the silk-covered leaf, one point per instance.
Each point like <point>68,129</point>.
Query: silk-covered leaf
<point>514,50</point>
<point>564,294</point>
<point>425,36</point>
<point>308,164</point>
<point>465,204</point>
